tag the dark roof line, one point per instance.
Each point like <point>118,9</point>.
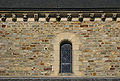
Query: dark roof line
<point>59,9</point>
<point>59,4</point>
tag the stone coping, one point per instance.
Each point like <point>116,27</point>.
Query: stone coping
<point>60,79</point>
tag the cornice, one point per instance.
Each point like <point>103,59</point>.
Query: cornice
<point>58,15</point>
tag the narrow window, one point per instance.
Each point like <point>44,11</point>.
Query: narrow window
<point>66,57</point>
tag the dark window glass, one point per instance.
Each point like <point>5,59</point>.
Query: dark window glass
<point>65,57</point>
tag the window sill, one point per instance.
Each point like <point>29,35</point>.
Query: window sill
<point>65,74</point>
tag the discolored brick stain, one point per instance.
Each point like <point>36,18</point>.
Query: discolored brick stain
<point>3,26</point>
<point>31,58</point>
<point>47,68</point>
<point>90,60</point>
<point>112,68</point>
<point>83,25</point>
<point>86,36</point>
<point>94,74</point>
<point>41,63</point>
<point>32,45</point>
<point>118,47</point>
<point>117,66</point>
<point>6,33</point>
<point>2,71</point>
<point>108,60</point>
<point>1,31</point>
<point>15,53</point>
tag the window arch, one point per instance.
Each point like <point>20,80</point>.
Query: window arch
<point>65,57</point>
<point>75,40</point>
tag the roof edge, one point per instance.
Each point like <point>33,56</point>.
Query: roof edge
<point>59,9</point>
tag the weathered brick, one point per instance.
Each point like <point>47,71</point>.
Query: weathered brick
<point>94,74</point>
<point>108,60</point>
<point>31,58</point>
<point>6,33</point>
<point>1,31</point>
<point>86,36</point>
<point>112,68</point>
<point>3,26</point>
<point>32,45</point>
<point>90,60</point>
<point>23,48</point>
<point>41,63</point>
<point>83,25</point>
<point>2,71</point>
<point>118,47</point>
<point>47,68</point>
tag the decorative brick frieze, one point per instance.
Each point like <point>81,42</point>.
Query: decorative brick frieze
<point>58,16</point>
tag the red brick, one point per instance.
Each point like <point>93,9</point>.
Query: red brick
<point>42,40</point>
<point>2,71</point>
<point>46,40</point>
<point>23,48</point>
<point>102,43</point>
<point>47,68</point>
<point>89,30</point>
<point>94,74</point>
<point>83,25</point>
<point>86,36</point>
<point>6,33</point>
<point>90,60</point>
<point>41,63</point>
<point>116,65</point>
<point>16,38</point>
<point>87,50</point>
<point>118,47</point>
<point>28,48</point>
<point>106,56</point>
<point>108,61</point>
<point>3,26</point>
<point>3,35</point>
<point>31,58</point>
<point>32,45</point>
<point>112,68</point>
<point>1,32</point>
<point>83,33</point>
<point>34,56</point>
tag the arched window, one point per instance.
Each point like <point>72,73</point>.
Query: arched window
<point>65,57</point>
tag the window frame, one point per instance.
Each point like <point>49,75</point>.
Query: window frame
<point>60,65</point>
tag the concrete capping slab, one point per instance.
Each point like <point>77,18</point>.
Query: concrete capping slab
<point>61,79</point>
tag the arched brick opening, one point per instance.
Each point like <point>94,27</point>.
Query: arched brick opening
<point>75,55</point>
<point>65,57</point>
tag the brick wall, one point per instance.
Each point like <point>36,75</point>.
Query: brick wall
<point>26,48</point>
